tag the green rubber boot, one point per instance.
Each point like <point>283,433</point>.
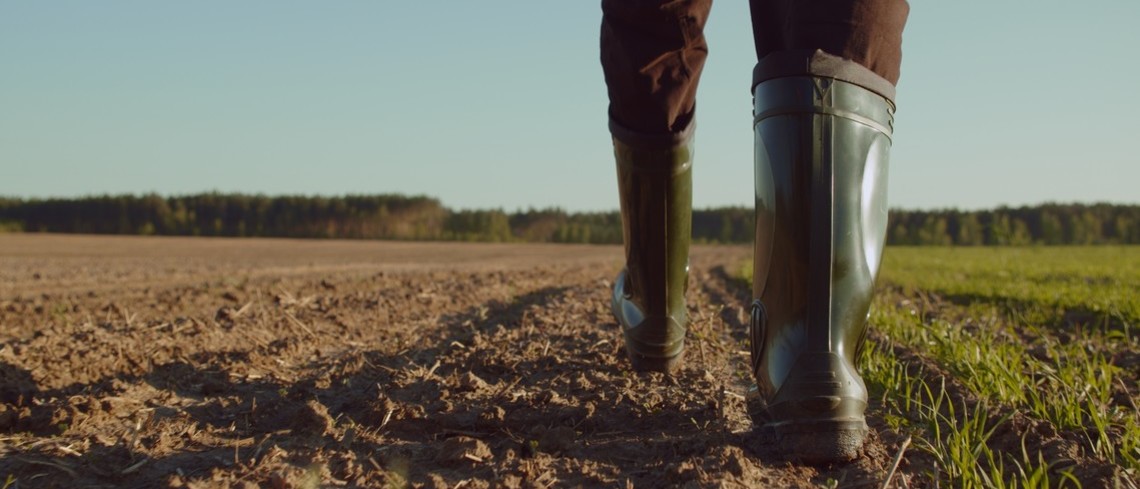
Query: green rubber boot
<point>821,216</point>
<point>655,185</point>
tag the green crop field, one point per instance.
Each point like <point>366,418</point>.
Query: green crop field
<point>1010,367</point>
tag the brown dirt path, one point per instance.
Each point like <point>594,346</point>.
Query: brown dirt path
<point>178,362</point>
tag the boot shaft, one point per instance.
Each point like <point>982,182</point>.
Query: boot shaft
<point>821,215</point>
<point>655,186</point>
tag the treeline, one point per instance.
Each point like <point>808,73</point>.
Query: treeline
<point>215,214</point>
<point>401,217</point>
<point>396,217</point>
<point>1047,224</point>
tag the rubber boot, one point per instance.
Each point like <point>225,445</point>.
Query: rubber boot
<point>655,187</point>
<point>821,216</point>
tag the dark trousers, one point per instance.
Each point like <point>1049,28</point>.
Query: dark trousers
<point>653,52</point>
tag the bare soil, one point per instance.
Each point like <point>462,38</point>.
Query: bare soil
<point>177,362</point>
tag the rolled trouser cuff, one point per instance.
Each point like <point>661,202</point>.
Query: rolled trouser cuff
<point>652,141</point>
<point>804,62</point>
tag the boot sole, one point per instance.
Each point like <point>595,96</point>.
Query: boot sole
<point>655,364</point>
<point>821,441</point>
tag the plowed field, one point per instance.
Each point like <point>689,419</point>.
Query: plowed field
<point>180,362</point>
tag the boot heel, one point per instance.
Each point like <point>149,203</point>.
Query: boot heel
<point>655,364</point>
<point>822,440</point>
<point>818,413</point>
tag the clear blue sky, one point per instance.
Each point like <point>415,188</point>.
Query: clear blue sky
<point>502,104</point>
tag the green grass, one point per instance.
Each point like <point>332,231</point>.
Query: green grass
<point>1044,285</point>
<point>1005,345</point>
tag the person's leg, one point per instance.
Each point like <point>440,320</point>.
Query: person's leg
<point>865,32</point>
<point>652,54</point>
<point>823,94</point>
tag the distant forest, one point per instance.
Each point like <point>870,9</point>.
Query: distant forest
<point>399,217</point>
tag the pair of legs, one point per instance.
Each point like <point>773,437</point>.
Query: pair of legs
<point>653,51</point>
<point>823,93</point>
